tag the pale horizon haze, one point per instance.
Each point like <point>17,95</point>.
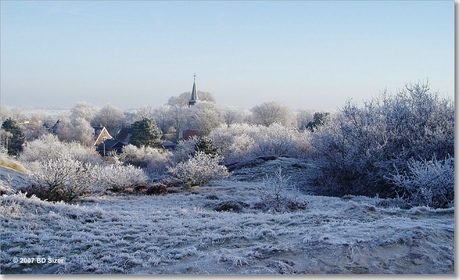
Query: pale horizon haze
<point>304,54</point>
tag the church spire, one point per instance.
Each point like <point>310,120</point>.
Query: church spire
<point>194,95</point>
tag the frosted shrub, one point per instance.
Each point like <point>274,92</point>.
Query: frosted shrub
<point>132,154</point>
<point>118,177</point>
<point>234,142</point>
<point>428,182</point>
<point>65,179</point>
<point>358,148</point>
<point>152,160</point>
<point>199,169</point>
<point>185,149</point>
<point>277,140</point>
<point>241,142</point>
<point>272,141</point>
<point>278,195</point>
<point>68,179</point>
<point>348,148</point>
<point>158,161</point>
<point>240,149</point>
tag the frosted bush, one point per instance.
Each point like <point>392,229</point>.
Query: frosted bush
<point>68,179</point>
<point>278,195</point>
<point>428,182</point>
<point>158,161</point>
<point>118,177</point>
<point>199,169</point>
<point>64,178</point>
<point>269,113</point>
<point>241,142</point>
<point>152,160</point>
<point>358,148</point>
<point>348,147</point>
<point>185,149</point>
<point>132,154</point>
<point>240,149</point>
<point>277,140</point>
<point>234,142</point>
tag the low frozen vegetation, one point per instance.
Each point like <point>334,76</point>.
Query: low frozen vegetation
<point>68,179</point>
<point>192,232</point>
<point>428,182</point>
<point>240,142</point>
<point>199,169</point>
<point>360,150</point>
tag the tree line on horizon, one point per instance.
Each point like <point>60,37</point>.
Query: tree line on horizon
<point>78,124</point>
<point>396,145</point>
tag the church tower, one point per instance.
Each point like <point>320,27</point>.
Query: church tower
<point>194,95</point>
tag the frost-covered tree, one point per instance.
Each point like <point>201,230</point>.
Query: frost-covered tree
<point>163,118</point>
<point>272,112</point>
<point>278,194</point>
<point>206,145</point>
<point>67,179</point>
<point>178,116</point>
<point>235,142</point>
<point>232,115</point>
<point>75,130</point>
<point>319,119</point>
<point>84,110</point>
<point>111,117</point>
<point>64,130</point>
<point>204,116</point>
<point>34,130</point>
<point>12,113</point>
<point>185,149</point>
<point>145,133</point>
<point>303,117</point>
<point>146,112</point>
<point>83,132</point>
<point>13,135</point>
<point>279,140</point>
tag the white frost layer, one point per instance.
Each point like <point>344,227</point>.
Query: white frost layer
<point>182,234</point>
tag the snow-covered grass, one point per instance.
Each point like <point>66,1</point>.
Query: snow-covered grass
<point>182,233</point>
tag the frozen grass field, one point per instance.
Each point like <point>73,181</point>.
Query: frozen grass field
<point>182,233</point>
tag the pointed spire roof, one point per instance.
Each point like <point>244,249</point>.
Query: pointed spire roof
<point>194,95</point>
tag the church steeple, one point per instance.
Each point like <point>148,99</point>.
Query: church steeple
<point>194,95</point>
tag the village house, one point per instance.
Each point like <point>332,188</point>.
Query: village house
<point>106,143</point>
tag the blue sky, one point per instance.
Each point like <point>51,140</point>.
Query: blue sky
<point>305,54</point>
